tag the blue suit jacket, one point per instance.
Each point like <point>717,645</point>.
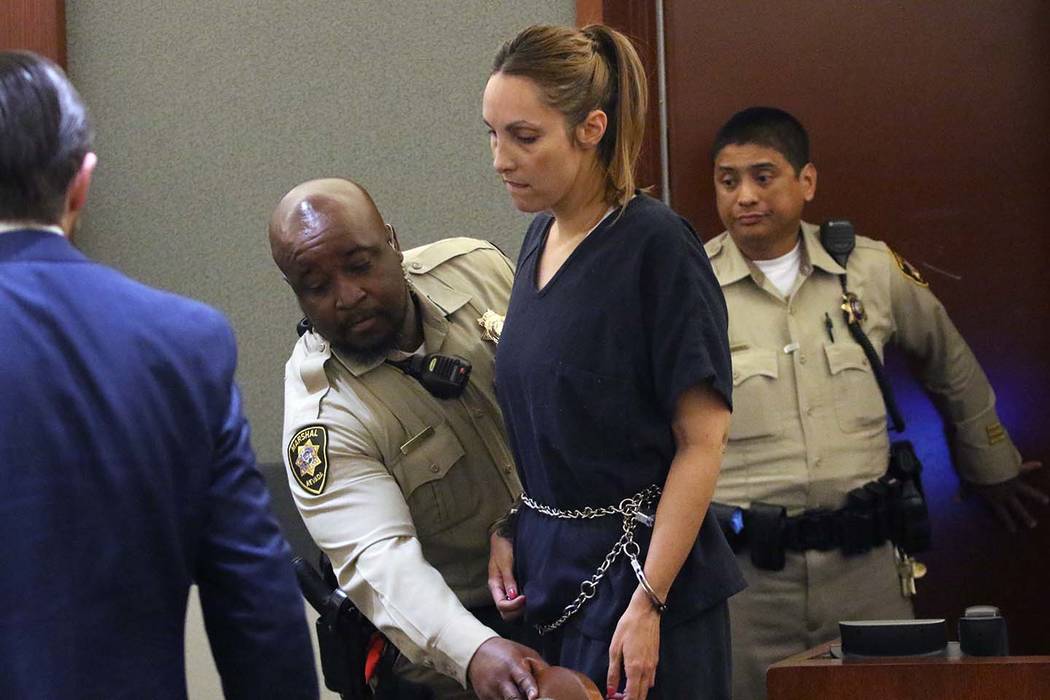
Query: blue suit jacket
<point>126,475</point>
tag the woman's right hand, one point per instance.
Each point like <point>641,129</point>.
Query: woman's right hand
<point>509,602</point>
<point>635,649</point>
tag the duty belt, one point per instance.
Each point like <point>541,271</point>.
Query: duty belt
<point>632,511</point>
<point>887,509</point>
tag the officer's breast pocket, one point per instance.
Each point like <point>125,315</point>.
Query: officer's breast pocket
<point>755,389</point>
<point>858,401</point>
<point>439,491</point>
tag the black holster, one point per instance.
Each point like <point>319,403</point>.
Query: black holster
<point>342,631</point>
<point>911,517</point>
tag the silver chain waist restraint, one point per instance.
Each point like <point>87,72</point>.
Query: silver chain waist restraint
<point>631,510</point>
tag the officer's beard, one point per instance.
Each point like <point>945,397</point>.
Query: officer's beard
<point>405,334</point>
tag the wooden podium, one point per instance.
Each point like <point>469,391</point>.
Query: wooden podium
<point>817,674</point>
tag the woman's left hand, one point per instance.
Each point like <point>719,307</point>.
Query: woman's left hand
<point>635,648</point>
<point>509,602</point>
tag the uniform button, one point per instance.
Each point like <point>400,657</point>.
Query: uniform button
<point>817,462</point>
<point>416,266</point>
<point>809,411</point>
<point>477,413</point>
<point>736,374</point>
<point>435,468</point>
<point>428,663</point>
<point>802,359</point>
<point>791,311</point>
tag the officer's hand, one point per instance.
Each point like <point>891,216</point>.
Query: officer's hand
<point>504,670</point>
<point>1006,499</point>
<point>636,648</point>
<point>504,590</point>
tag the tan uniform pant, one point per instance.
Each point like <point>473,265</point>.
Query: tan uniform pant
<point>782,613</point>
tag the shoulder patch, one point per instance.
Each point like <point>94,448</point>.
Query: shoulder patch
<point>908,269</point>
<point>308,458</point>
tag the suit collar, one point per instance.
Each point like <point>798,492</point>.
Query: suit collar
<point>36,244</point>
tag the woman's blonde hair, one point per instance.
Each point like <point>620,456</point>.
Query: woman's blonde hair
<point>578,71</point>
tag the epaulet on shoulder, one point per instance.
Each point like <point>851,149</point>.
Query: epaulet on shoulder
<point>714,246</point>
<point>870,244</point>
<point>425,258</point>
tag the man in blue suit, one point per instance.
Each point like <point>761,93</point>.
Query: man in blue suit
<point>126,472</point>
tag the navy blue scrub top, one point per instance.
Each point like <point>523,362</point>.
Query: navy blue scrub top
<point>588,372</point>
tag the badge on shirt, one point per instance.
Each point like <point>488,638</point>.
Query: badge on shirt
<point>308,458</point>
<point>909,270</point>
<point>491,326</point>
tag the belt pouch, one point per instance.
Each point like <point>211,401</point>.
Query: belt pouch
<point>765,525</point>
<point>858,522</point>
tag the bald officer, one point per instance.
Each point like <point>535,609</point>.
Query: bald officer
<point>398,486</point>
<point>809,422</point>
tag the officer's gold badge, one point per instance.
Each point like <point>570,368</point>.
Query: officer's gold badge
<point>909,270</point>
<point>491,325</point>
<point>308,458</point>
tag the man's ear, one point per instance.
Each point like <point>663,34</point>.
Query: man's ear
<point>393,242</point>
<point>76,194</point>
<point>808,178</point>
<point>590,131</point>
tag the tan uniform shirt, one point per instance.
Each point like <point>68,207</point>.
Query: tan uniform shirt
<point>397,487</point>
<point>809,422</point>
<point>809,425</point>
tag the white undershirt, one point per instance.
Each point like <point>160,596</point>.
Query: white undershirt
<point>782,271</point>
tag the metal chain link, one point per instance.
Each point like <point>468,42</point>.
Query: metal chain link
<point>628,508</point>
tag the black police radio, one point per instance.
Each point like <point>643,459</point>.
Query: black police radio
<point>444,376</point>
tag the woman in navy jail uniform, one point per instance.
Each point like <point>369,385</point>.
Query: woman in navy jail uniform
<point>614,377</point>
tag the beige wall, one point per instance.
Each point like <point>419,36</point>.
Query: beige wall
<point>207,112</point>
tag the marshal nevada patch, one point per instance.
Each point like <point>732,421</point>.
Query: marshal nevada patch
<point>308,458</point>
<point>909,270</point>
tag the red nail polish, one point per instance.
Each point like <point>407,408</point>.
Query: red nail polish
<point>511,594</point>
